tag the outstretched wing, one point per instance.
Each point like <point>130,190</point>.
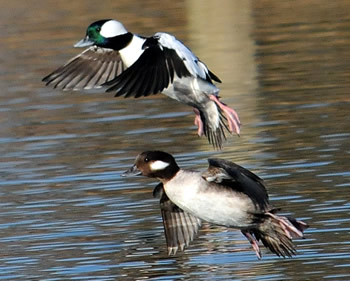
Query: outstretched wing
<point>236,177</point>
<point>179,226</point>
<point>153,71</point>
<point>90,69</point>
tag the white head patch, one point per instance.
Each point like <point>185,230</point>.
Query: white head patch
<point>112,28</point>
<point>159,165</point>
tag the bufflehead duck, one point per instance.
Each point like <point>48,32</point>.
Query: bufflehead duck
<point>133,65</point>
<point>225,194</point>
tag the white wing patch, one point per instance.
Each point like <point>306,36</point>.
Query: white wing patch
<point>194,66</point>
<point>133,51</point>
<point>159,165</point>
<point>112,28</point>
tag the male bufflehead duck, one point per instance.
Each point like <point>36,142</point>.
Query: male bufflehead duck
<point>133,65</point>
<point>225,194</point>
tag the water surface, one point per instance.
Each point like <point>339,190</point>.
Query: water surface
<point>65,212</point>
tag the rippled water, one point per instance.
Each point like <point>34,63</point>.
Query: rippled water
<point>65,212</point>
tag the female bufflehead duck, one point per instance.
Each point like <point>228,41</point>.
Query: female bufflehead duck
<point>133,65</point>
<point>226,194</point>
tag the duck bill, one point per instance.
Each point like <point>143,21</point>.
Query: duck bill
<point>86,42</point>
<point>133,171</point>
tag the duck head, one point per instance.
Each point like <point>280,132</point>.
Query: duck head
<point>154,164</point>
<point>105,33</point>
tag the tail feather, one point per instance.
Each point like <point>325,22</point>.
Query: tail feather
<point>278,243</point>
<point>214,125</point>
<point>276,233</point>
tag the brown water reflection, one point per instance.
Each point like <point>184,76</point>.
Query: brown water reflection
<point>65,213</point>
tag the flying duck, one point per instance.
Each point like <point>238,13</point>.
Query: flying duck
<point>225,194</point>
<point>131,65</point>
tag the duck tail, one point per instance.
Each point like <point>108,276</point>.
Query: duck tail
<point>276,233</point>
<point>213,124</point>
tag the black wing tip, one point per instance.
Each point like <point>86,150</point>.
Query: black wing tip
<point>45,79</point>
<point>48,78</point>
<point>48,81</point>
<point>214,77</point>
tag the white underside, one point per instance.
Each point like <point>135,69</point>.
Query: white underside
<point>195,92</point>
<point>199,89</point>
<point>191,192</point>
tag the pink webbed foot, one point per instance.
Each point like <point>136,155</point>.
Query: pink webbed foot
<point>289,229</point>
<point>230,114</point>
<point>253,242</point>
<point>198,122</point>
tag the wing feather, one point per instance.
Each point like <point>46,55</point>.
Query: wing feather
<point>235,177</point>
<point>157,63</point>
<point>180,227</point>
<point>90,69</point>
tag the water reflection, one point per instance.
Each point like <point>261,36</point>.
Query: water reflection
<point>65,213</point>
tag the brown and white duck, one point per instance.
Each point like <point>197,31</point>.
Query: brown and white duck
<point>225,194</point>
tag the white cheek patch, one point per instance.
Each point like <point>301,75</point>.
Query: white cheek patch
<point>112,28</point>
<point>159,165</point>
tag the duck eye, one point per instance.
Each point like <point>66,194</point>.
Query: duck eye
<point>98,29</point>
<point>146,159</point>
